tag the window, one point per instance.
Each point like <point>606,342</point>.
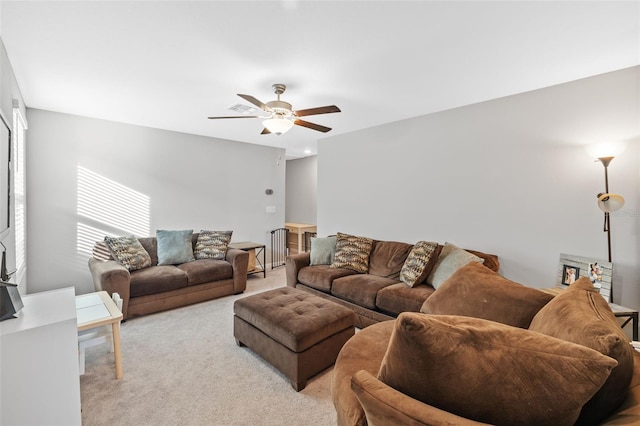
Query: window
<point>19,126</point>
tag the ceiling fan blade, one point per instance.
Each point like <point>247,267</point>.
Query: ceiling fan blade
<point>312,126</point>
<point>254,101</point>
<point>235,116</point>
<point>265,131</point>
<point>319,110</point>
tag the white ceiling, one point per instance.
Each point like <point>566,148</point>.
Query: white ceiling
<point>170,64</point>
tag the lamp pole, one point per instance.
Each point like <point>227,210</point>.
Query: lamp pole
<point>607,223</point>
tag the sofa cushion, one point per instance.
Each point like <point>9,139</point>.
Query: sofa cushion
<point>150,244</point>
<point>157,279</point>
<point>322,250</point>
<point>420,262</point>
<point>491,261</point>
<point>399,297</point>
<point>385,405</point>
<point>352,252</point>
<point>581,315</point>
<point>321,277</point>
<point>128,252</point>
<point>476,291</point>
<point>207,270</point>
<point>364,351</point>
<point>360,289</point>
<point>387,258</point>
<point>174,247</point>
<point>491,372</point>
<point>212,244</point>
<point>451,259</point>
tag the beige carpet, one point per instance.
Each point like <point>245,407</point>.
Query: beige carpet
<point>183,367</point>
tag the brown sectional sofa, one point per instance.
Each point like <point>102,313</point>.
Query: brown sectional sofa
<point>161,287</point>
<point>568,363</point>
<point>375,296</point>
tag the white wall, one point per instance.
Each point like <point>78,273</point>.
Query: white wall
<point>192,182</point>
<point>508,176</point>
<point>301,188</point>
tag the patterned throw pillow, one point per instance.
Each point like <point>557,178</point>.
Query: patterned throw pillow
<point>352,253</point>
<point>128,252</point>
<point>419,263</point>
<point>212,244</point>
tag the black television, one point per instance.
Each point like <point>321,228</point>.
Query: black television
<point>5,176</point>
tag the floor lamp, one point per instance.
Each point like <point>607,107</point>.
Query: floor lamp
<point>608,203</point>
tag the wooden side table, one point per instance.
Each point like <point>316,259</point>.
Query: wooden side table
<point>618,311</point>
<point>258,249</point>
<point>296,235</point>
<point>629,314</point>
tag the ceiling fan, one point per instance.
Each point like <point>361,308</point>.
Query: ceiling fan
<point>281,115</point>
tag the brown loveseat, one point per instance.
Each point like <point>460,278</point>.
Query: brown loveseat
<point>374,296</point>
<point>485,350</point>
<point>161,287</point>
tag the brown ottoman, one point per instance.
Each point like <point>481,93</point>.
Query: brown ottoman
<point>298,333</point>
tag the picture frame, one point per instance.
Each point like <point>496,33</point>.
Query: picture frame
<point>600,272</point>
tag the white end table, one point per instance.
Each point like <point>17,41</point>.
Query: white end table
<point>95,310</point>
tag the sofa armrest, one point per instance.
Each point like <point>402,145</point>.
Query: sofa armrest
<point>293,264</point>
<point>239,260</point>
<point>383,405</point>
<point>112,277</point>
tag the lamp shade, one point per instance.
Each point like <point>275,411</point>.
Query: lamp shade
<point>277,125</point>
<point>610,202</point>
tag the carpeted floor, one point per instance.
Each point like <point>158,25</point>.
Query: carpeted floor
<point>183,367</point>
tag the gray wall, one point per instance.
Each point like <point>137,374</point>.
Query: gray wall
<point>509,176</point>
<point>188,181</point>
<point>302,184</point>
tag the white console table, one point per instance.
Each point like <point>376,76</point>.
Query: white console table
<point>39,375</point>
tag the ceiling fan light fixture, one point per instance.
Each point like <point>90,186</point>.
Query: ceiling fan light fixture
<point>277,125</point>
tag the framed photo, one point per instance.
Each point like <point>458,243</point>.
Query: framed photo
<point>599,271</point>
<point>570,274</point>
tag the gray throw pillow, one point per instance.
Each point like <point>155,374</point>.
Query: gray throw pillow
<point>323,250</point>
<point>451,259</point>
<point>174,247</point>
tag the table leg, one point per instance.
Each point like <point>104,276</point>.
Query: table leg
<point>634,324</point>
<point>117,355</point>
